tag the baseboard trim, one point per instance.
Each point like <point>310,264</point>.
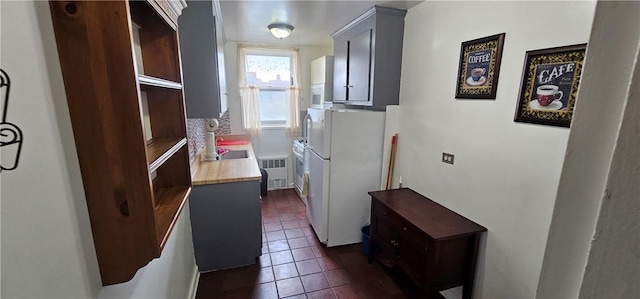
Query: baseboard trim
<point>194,283</point>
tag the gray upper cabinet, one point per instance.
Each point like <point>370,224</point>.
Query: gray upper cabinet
<point>202,50</point>
<point>359,67</point>
<point>368,59</point>
<point>222,78</point>
<point>340,53</point>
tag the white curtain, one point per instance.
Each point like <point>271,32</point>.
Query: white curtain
<point>251,110</point>
<point>249,98</point>
<point>292,126</point>
<point>249,94</point>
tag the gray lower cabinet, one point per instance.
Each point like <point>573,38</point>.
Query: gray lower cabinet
<point>226,224</point>
<point>368,59</point>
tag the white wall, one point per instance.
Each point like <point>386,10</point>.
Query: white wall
<point>173,275</point>
<point>594,239</point>
<point>613,263</point>
<point>505,174</point>
<point>47,245</point>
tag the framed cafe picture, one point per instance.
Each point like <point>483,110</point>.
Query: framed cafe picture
<point>549,85</point>
<point>479,67</point>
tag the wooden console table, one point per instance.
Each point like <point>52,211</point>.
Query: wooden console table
<point>436,247</point>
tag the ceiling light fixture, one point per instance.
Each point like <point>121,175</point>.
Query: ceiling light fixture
<point>280,30</point>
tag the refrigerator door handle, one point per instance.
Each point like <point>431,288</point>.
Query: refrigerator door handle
<point>307,128</point>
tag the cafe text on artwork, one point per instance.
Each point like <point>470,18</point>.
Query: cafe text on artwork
<point>549,85</point>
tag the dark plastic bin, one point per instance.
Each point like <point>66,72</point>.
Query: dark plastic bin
<point>365,242</point>
<point>263,182</point>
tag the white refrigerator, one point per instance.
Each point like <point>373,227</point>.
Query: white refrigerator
<point>345,159</point>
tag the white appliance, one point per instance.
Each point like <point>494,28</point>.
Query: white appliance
<point>318,93</point>
<point>299,167</point>
<point>345,160</point>
<point>211,153</point>
<point>321,81</point>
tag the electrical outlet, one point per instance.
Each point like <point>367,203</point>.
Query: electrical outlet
<point>447,158</point>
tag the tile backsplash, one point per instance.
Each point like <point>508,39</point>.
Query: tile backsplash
<point>225,125</point>
<point>195,135</point>
<point>197,129</point>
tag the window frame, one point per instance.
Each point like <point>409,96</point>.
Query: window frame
<point>273,123</point>
<point>274,53</point>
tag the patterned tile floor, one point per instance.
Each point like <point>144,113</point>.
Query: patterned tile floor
<point>294,264</point>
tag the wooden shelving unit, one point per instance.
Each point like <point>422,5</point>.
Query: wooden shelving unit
<point>121,67</point>
<point>172,199</point>
<point>159,150</point>
<point>148,81</point>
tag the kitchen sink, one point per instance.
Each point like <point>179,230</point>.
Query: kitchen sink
<point>239,154</point>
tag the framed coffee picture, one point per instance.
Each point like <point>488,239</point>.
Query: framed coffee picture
<point>479,67</point>
<point>549,85</point>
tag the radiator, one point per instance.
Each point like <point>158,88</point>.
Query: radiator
<point>277,169</point>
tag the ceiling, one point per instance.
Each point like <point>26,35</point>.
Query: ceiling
<point>314,21</point>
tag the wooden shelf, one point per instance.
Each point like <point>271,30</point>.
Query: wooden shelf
<point>386,260</point>
<point>170,203</point>
<point>159,150</point>
<point>149,81</point>
<point>133,211</point>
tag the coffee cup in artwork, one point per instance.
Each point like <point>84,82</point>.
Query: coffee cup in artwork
<point>477,73</point>
<point>548,93</point>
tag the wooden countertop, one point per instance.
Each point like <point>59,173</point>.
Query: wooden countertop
<point>225,171</point>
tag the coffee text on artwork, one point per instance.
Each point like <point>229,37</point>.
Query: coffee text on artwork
<point>480,58</point>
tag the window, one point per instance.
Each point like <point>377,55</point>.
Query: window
<point>269,85</point>
<point>271,73</point>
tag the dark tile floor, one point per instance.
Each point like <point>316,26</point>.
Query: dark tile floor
<point>294,264</point>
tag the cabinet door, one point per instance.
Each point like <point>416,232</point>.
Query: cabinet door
<point>359,67</point>
<point>199,60</point>
<point>340,52</point>
<point>384,231</point>
<point>226,224</point>
<point>413,251</point>
<point>222,78</point>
